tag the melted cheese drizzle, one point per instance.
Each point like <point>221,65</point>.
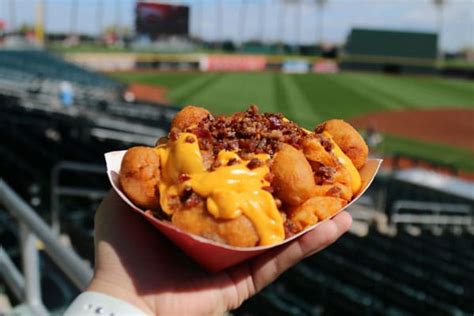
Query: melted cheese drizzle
<point>356,182</point>
<point>229,190</point>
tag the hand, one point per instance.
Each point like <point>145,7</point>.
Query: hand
<point>135,263</point>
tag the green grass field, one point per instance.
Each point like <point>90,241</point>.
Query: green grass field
<point>309,98</point>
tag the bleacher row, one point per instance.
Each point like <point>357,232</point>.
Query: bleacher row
<point>48,66</point>
<point>34,140</point>
<point>38,72</point>
<point>377,274</point>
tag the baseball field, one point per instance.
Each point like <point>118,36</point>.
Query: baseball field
<point>420,116</point>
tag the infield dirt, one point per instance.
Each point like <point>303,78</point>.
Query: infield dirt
<point>453,127</point>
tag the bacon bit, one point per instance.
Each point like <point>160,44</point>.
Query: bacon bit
<point>268,188</point>
<point>269,177</point>
<point>185,194</point>
<point>325,142</point>
<point>324,175</point>
<point>275,122</point>
<point>189,198</point>
<point>320,128</point>
<point>334,191</point>
<point>161,141</point>
<point>193,200</point>
<point>216,164</point>
<point>290,228</point>
<point>201,132</point>
<point>232,161</point>
<point>253,109</point>
<point>254,163</point>
<point>173,202</point>
<point>247,132</point>
<point>173,135</point>
<point>189,139</point>
<point>183,177</point>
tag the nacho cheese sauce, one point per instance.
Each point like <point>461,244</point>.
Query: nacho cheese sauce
<point>356,182</point>
<point>229,190</point>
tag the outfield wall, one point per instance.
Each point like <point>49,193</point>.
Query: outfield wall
<point>201,62</point>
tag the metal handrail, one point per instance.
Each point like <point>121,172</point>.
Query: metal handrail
<point>57,190</point>
<point>435,218</point>
<point>430,206</point>
<point>12,276</point>
<point>67,260</point>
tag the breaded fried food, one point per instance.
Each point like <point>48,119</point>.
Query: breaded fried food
<point>348,139</point>
<point>139,177</point>
<point>238,232</point>
<point>188,116</point>
<point>293,180</point>
<point>246,179</point>
<point>315,209</point>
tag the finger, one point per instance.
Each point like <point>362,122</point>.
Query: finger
<point>270,265</point>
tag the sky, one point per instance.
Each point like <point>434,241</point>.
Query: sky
<point>301,19</point>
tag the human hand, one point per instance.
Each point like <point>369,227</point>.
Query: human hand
<point>135,263</point>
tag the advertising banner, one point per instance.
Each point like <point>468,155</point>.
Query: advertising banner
<point>233,63</point>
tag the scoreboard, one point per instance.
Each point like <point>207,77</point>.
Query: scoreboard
<point>157,19</point>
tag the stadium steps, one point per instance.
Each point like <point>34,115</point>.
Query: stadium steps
<point>405,272</point>
<point>390,290</point>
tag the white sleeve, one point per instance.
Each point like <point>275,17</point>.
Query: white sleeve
<point>98,304</point>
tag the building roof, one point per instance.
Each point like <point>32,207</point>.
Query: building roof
<point>438,182</point>
<point>387,43</point>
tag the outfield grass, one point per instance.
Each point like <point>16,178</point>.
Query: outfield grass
<point>309,99</point>
<point>461,158</point>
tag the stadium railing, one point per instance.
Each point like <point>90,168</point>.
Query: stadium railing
<point>27,287</point>
<point>58,190</point>
<point>431,213</point>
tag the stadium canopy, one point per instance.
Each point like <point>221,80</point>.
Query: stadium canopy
<point>436,181</point>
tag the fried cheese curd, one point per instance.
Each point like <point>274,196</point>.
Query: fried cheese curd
<point>248,179</point>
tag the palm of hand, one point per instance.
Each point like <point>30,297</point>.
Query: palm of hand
<point>137,264</point>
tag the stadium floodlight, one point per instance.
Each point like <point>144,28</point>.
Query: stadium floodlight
<point>99,16</point>
<point>321,4</point>
<point>440,7</point>
<point>220,24</point>
<point>12,9</point>
<point>262,20</point>
<point>118,20</point>
<point>298,19</point>
<point>73,18</point>
<point>242,22</point>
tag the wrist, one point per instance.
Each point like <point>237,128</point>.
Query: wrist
<point>120,292</point>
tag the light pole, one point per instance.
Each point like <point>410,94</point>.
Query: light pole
<point>320,4</point>
<point>262,21</point>
<point>242,23</point>
<point>220,24</point>
<point>439,21</point>
<point>99,15</point>
<point>12,15</point>
<point>281,20</point>
<point>74,12</point>
<point>298,21</point>
<point>118,20</point>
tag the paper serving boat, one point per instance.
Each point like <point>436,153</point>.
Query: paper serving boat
<point>211,255</point>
